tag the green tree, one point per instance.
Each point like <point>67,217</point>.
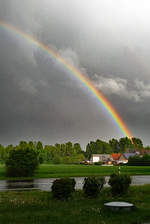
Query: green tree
<point>2,153</point>
<point>77,148</point>
<point>39,145</point>
<point>22,161</point>
<point>138,144</point>
<point>98,147</point>
<point>125,144</point>
<point>114,143</point>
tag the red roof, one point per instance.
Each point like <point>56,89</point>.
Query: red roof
<point>116,156</point>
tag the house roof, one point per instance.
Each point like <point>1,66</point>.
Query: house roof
<point>116,156</point>
<point>128,154</point>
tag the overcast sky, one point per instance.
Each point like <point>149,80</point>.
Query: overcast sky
<point>107,40</point>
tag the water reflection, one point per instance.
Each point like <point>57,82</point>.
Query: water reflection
<point>45,184</point>
<point>19,184</point>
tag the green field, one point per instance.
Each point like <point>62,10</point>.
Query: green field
<point>36,207</point>
<point>47,170</point>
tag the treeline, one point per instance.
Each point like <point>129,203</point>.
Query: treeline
<point>59,153</point>
<point>113,146</point>
<point>69,153</point>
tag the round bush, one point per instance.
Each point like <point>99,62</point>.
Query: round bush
<point>22,162</point>
<point>63,188</point>
<point>119,184</point>
<point>93,185</point>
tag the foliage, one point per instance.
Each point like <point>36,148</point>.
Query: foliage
<point>63,188</point>
<point>56,159</point>
<point>114,143</point>
<point>125,144</point>
<point>69,153</point>
<point>117,146</point>
<point>59,153</point>
<point>139,161</point>
<point>98,163</point>
<point>22,161</point>
<point>93,185</point>
<point>138,144</point>
<point>2,153</point>
<point>119,183</point>
<point>98,147</point>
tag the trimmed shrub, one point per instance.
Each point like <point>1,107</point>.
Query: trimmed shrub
<point>63,188</point>
<point>119,183</point>
<point>93,185</point>
<point>22,162</point>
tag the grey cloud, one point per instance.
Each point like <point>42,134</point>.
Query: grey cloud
<point>29,86</point>
<point>41,99</point>
<point>136,90</point>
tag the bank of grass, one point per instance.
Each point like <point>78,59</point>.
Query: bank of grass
<point>36,207</point>
<point>46,170</point>
<point>49,170</point>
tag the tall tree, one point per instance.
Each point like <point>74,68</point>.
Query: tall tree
<point>114,143</point>
<point>98,147</point>
<point>125,144</point>
<point>138,144</point>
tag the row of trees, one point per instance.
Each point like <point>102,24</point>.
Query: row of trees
<point>59,153</point>
<point>114,146</point>
<point>73,153</point>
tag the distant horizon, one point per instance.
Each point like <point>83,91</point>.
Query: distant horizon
<point>83,146</point>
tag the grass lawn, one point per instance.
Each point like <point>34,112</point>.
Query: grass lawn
<point>49,170</point>
<point>36,207</point>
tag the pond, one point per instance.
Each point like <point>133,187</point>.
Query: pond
<point>45,184</point>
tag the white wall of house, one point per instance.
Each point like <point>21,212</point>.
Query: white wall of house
<point>122,161</point>
<point>95,159</point>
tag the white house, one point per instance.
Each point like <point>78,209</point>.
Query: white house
<point>101,158</point>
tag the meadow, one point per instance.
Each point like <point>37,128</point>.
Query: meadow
<point>49,170</point>
<point>36,207</point>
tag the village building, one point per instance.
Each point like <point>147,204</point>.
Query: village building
<point>127,155</point>
<point>119,158</point>
<point>122,159</point>
<point>104,158</point>
<point>116,157</point>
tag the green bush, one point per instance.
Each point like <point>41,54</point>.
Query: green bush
<point>22,162</point>
<point>119,184</point>
<point>93,185</point>
<point>63,188</point>
<point>139,161</point>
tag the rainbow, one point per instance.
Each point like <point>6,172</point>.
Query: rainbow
<point>75,72</point>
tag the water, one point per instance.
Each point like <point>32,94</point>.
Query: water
<point>45,184</point>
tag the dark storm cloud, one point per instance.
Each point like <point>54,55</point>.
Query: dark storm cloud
<point>108,41</point>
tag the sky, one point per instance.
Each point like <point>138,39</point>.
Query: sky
<point>106,40</point>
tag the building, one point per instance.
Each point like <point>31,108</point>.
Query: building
<point>119,158</point>
<point>127,155</point>
<point>122,159</point>
<point>104,158</point>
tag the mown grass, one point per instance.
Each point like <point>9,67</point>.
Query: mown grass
<point>49,170</point>
<point>36,207</point>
